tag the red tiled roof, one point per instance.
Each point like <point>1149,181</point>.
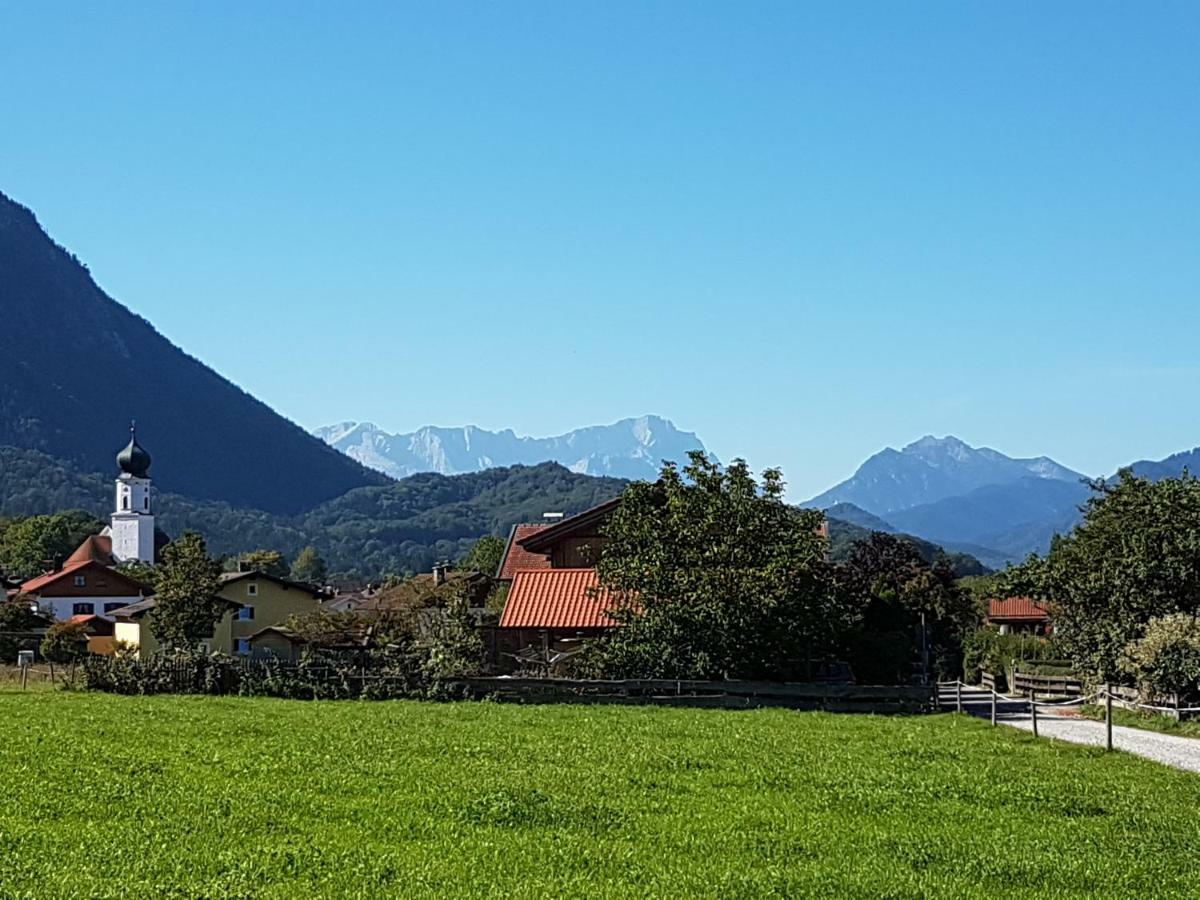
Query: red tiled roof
<point>1017,608</point>
<point>97,548</point>
<point>36,584</point>
<point>556,598</point>
<point>517,557</point>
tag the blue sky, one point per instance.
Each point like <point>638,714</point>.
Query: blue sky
<point>804,231</point>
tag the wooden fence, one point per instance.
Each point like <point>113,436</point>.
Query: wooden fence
<point>1046,685</point>
<point>720,694</point>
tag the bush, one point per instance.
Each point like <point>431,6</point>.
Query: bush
<point>1166,658</point>
<point>987,650</point>
<point>65,642</point>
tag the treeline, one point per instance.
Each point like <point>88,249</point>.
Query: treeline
<point>398,528</point>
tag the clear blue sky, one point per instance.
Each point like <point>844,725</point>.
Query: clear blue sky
<point>804,231</point>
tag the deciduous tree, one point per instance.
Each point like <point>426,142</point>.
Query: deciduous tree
<point>187,582</point>
<point>715,576</point>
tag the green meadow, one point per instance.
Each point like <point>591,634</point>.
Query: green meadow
<point>107,796</point>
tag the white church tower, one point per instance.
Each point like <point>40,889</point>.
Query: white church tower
<point>132,528</point>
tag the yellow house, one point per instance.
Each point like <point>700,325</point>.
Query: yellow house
<point>133,630</point>
<point>256,601</point>
<point>264,601</point>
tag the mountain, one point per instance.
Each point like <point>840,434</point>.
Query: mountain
<point>856,515</point>
<point>1011,520</point>
<point>933,469</point>
<point>1171,467</point>
<point>630,448</point>
<point>78,366</point>
<point>843,534</point>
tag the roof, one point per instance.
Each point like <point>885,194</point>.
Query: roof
<point>95,548</point>
<point>139,609</point>
<point>1017,608</point>
<point>517,557</point>
<point>93,623</point>
<point>286,583</point>
<point>35,585</point>
<point>542,540</point>
<point>557,598</point>
<point>279,630</point>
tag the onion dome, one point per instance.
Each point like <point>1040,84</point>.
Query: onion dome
<point>134,460</point>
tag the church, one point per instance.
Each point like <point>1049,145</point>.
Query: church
<point>88,584</point>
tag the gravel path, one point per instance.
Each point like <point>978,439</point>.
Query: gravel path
<point>1172,750</point>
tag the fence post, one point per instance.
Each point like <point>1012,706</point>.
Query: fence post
<point>1107,718</point>
<point>993,707</point>
<point>24,676</point>
<point>1033,714</point>
<point>958,696</point>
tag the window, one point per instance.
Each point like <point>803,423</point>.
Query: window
<point>205,648</point>
<point>109,607</point>
<point>252,589</point>
<point>146,502</point>
<point>243,646</point>
<point>246,614</point>
<point>83,609</point>
<point>124,501</point>
<point>80,581</point>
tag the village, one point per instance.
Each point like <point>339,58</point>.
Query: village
<point>550,599</point>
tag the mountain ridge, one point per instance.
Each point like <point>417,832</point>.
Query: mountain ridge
<point>80,366</point>
<point>629,448</point>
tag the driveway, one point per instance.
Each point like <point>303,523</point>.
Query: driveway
<point>1067,725</point>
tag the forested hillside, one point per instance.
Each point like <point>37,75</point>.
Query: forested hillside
<point>398,527</point>
<point>78,366</point>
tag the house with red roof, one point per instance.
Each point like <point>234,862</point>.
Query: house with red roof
<point>1018,615</point>
<point>555,599</point>
<point>84,586</point>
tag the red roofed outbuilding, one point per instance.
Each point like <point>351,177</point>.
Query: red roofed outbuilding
<point>1018,614</point>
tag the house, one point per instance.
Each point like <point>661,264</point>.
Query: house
<point>83,587</point>
<point>556,601</point>
<point>264,600</point>
<point>133,629</point>
<point>100,633</point>
<point>1018,615</point>
<point>255,600</point>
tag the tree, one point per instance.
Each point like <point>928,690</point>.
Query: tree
<point>269,562</point>
<point>1166,658</point>
<point>1135,557</point>
<point>484,556</point>
<point>309,567</point>
<point>141,572</point>
<point>187,582</point>
<point>904,600</point>
<point>712,575</point>
<point>29,544</point>
<point>20,628</point>
<point>65,642</point>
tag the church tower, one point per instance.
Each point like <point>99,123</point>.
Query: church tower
<point>132,527</point>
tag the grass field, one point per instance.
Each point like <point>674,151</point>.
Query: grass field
<point>201,797</point>
<point>1149,721</point>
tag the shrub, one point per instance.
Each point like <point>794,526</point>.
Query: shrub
<point>987,650</point>
<point>65,642</point>
<point>1166,658</point>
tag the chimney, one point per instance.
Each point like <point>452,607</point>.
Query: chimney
<point>439,572</point>
<point>553,516</point>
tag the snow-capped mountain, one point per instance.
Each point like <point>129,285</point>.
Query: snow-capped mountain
<point>630,448</point>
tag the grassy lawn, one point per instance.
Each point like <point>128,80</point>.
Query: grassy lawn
<point>189,796</point>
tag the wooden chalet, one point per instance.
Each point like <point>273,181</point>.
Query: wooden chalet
<point>555,600</point>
